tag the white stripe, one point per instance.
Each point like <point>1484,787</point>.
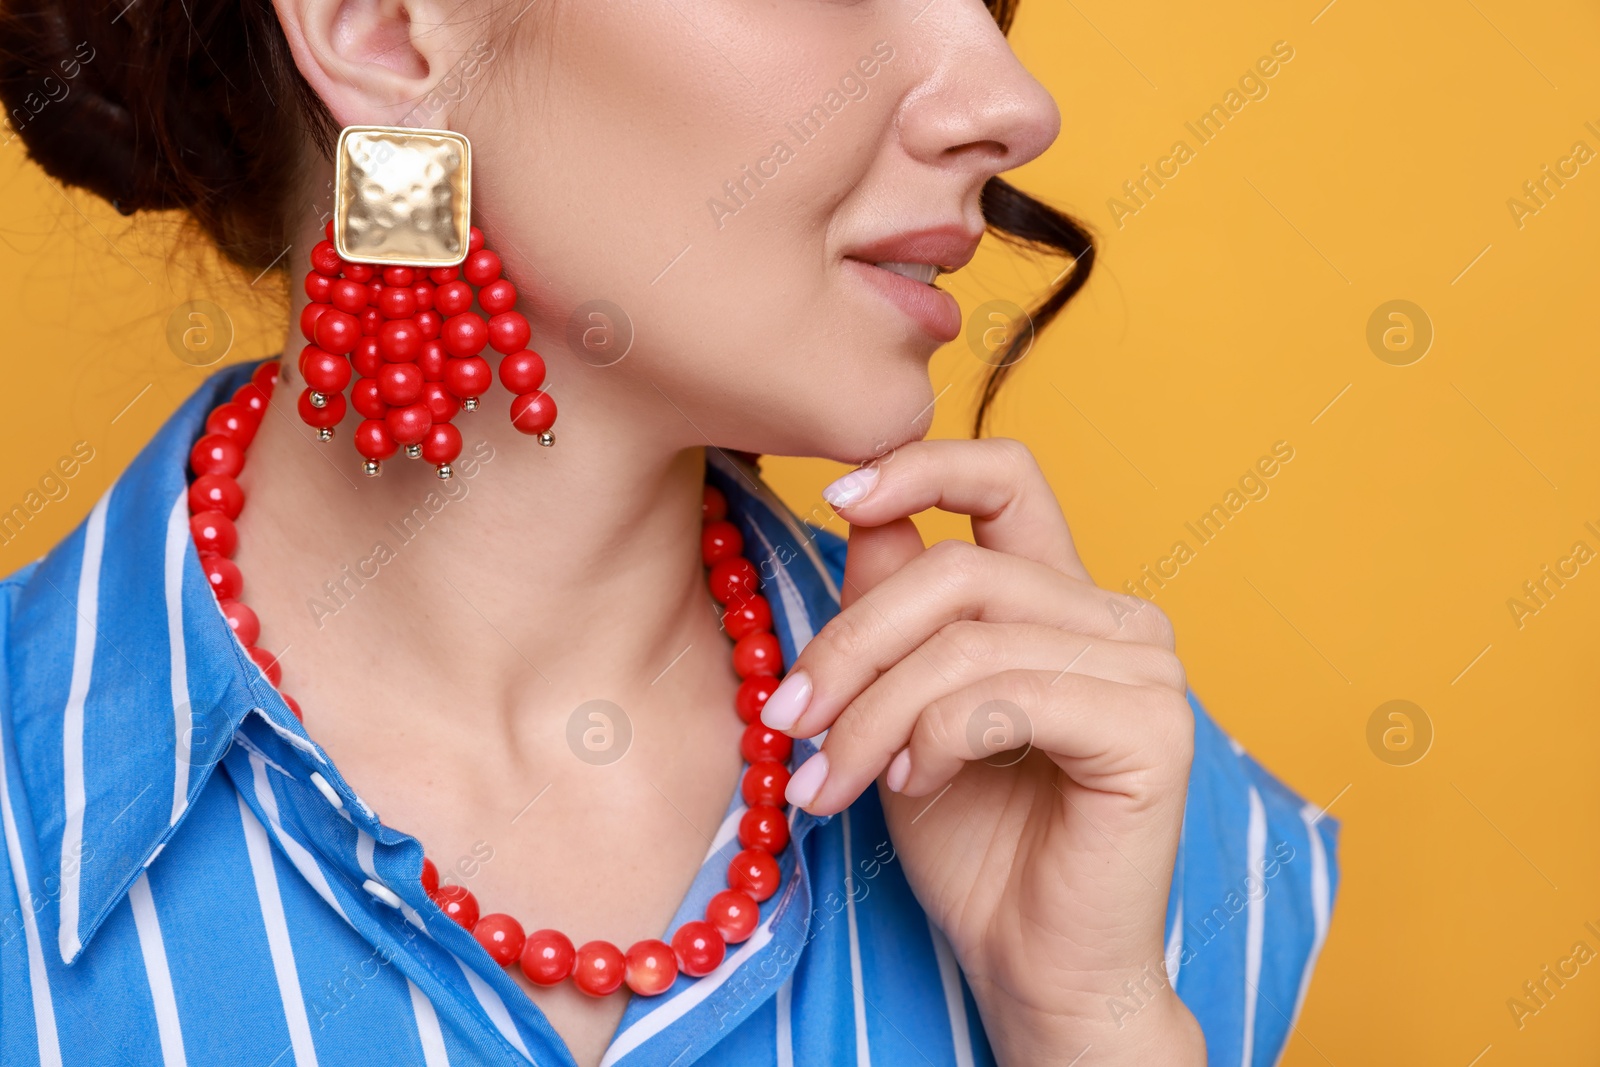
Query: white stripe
<point>725,833</point>
<point>857,993</point>
<point>303,861</point>
<point>794,605</point>
<point>955,1005</point>
<point>1320,905</point>
<point>44,1011</point>
<point>266,878</point>
<point>94,540</point>
<point>785,1031</point>
<point>178,539</point>
<point>364,848</point>
<point>428,1032</point>
<point>1174,952</point>
<point>495,1008</point>
<point>763,493</point>
<point>148,925</point>
<point>1256,921</point>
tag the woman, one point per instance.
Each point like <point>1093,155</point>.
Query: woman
<point>1011,837</point>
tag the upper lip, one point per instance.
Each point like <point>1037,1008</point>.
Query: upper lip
<point>946,247</point>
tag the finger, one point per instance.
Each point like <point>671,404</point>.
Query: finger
<point>877,724</point>
<point>951,580</point>
<point>1132,741</point>
<point>996,481</point>
<point>874,553</point>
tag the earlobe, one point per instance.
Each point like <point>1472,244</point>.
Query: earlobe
<point>371,61</point>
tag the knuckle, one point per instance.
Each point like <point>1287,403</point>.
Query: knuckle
<point>959,562</point>
<point>1012,453</point>
<point>844,637</point>
<point>969,646</point>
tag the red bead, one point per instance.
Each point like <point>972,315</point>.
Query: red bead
<point>399,383</point>
<point>733,580</point>
<point>265,376</point>
<point>747,617</point>
<point>533,413</point>
<point>329,415</point>
<point>474,239</point>
<point>431,361</point>
<point>757,653</point>
<point>650,967</point>
<point>430,877</point>
<point>324,371</point>
<point>365,399</point>
<point>441,275</point>
<point>442,404</point>
<point>399,276</point>
<point>223,575</point>
<point>468,377</point>
<point>422,294</point>
<point>699,948</point>
<point>452,298</point>
<point>397,303</point>
<point>350,297</point>
<point>319,287</point>
<point>375,287</point>
<point>598,970</point>
<point>294,707</point>
<point>548,957</point>
<point>359,272</point>
<point>464,334</point>
<point>754,872</point>
<point>408,424</point>
<point>522,372</point>
<point>498,296</point>
<point>442,444</point>
<point>372,321</point>
<point>509,332</point>
<point>719,541</point>
<point>216,492</point>
<point>325,259</point>
<point>429,323</point>
<point>400,341</point>
<point>373,440</point>
<point>458,903</point>
<point>761,742</point>
<point>338,331</point>
<point>216,453</point>
<point>481,267</point>
<point>308,319</point>
<point>366,357</point>
<point>242,621</point>
<point>501,937</point>
<point>713,505</point>
<point>764,783</point>
<point>733,914</point>
<point>253,397</point>
<point>235,421</point>
<point>213,531</point>
<point>327,230</point>
<point>753,694</point>
<point>764,828</point>
<point>267,662</point>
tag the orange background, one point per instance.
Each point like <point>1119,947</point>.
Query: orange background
<point>1229,312</point>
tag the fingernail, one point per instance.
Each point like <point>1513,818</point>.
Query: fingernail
<point>852,488</point>
<point>787,702</point>
<point>899,771</point>
<point>807,781</point>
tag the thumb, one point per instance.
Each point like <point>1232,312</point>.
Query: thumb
<point>874,553</point>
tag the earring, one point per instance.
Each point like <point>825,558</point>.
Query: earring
<point>392,289</point>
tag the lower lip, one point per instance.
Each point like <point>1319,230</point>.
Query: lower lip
<point>931,308</point>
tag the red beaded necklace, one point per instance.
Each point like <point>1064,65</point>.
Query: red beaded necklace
<point>547,957</point>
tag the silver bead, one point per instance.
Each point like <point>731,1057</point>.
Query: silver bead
<point>318,400</point>
<point>470,404</point>
<point>372,468</point>
<point>547,439</point>
<point>325,433</point>
<point>445,472</point>
<point>413,451</point>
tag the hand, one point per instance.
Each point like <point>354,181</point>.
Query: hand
<point>1031,740</point>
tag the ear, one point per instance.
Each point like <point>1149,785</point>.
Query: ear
<point>373,61</point>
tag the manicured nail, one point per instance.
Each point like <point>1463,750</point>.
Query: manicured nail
<point>852,488</point>
<point>899,771</point>
<point>787,702</point>
<point>807,781</point>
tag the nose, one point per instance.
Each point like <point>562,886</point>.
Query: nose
<point>977,107</point>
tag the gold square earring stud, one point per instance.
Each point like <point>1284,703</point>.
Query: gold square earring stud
<point>402,196</point>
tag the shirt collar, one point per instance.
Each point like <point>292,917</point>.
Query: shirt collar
<point>127,686</point>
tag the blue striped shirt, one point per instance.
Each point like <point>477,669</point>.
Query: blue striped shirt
<point>187,878</point>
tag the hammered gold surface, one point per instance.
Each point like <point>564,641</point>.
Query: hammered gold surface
<point>402,196</point>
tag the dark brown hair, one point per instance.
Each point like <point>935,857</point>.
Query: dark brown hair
<point>197,104</point>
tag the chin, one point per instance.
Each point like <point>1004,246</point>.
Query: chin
<point>883,413</point>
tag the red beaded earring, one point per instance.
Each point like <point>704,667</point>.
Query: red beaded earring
<point>392,289</point>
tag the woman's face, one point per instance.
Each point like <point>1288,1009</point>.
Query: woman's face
<point>723,174</point>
